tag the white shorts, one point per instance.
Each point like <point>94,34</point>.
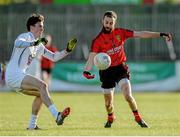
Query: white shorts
<point>14,78</point>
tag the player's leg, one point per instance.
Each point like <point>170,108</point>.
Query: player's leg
<point>36,106</point>
<point>32,83</point>
<point>107,77</point>
<point>109,99</point>
<point>109,104</point>
<point>125,87</point>
<point>126,90</point>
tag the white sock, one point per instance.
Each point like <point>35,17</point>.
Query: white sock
<point>33,121</point>
<point>52,108</point>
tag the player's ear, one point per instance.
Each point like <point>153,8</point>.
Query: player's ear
<point>31,27</point>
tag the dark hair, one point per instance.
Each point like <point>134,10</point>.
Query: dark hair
<point>33,19</point>
<point>110,14</point>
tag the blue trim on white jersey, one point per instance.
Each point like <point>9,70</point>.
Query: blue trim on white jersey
<point>20,57</point>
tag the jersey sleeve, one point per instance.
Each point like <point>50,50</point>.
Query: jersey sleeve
<point>128,33</point>
<point>45,52</point>
<point>54,56</point>
<point>22,41</point>
<point>95,46</point>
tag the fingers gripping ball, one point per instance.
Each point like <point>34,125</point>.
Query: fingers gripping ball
<point>71,44</point>
<point>102,61</point>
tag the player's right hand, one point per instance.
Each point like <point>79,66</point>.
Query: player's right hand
<point>88,75</point>
<point>44,41</point>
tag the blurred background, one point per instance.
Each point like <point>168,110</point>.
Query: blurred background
<point>148,59</point>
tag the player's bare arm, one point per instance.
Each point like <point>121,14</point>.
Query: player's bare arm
<point>150,34</point>
<point>89,63</point>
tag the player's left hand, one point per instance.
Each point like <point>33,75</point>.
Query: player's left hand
<point>71,44</point>
<point>168,36</point>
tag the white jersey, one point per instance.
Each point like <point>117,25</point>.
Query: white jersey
<point>24,52</point>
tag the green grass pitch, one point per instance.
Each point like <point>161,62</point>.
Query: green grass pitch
<point>160,110</point>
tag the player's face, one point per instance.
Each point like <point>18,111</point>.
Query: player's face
<point>38,29</point>
<point>108,24</point>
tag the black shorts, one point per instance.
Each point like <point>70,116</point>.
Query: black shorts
<point>111,76</point>
<point>47,70</point>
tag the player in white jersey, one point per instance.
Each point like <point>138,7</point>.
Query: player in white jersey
<point>28,46</point>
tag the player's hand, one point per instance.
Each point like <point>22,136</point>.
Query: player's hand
<point>44,41</point>
<point>71,44</point>
<point>168,36</point>
<point>88,75</point>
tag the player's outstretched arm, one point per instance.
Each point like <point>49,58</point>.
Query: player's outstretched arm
<point>150,34</point>
<point>60,54</point>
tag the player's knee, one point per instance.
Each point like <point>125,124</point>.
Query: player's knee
<point>125,87</point>
<point>43,86</point>
<point>124,84</point>
<point>108,91</point>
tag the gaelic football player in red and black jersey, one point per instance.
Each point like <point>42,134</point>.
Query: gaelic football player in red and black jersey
<point>111,41</point>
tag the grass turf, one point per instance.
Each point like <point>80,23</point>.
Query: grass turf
<point>160,110</point>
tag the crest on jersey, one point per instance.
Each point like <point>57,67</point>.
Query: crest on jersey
<point>118,37</point>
